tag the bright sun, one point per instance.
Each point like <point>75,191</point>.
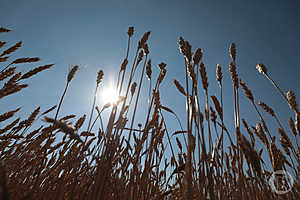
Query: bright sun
<point>109,95</point>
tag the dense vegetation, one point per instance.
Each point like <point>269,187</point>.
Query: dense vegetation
<point>122,161</point>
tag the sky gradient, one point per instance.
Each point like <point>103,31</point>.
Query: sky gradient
<point>92,34</point>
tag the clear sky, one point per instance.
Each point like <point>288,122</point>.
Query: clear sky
<point>92,34</point>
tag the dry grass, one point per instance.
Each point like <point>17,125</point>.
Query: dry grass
<point>120,161</point>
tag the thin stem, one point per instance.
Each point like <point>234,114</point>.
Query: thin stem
<point>93,106</point>
<point>61,99</point>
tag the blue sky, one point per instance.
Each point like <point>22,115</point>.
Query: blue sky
<point>92,34</point>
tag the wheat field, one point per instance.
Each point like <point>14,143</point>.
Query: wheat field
<point>118,160</point>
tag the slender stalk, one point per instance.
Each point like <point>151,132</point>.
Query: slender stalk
<point>93,107</point>
<point>61,100</point>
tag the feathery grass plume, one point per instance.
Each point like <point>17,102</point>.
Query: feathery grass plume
<point>9,126</point>
<point>99,76</point>
<point>219,74</point>
<point>68,129</point>
<point>7,73</point>
<point>4,59</point>
<point>70,76</point>
<point>156,98</point>
<point>197,56</point>
<point>161,76</point>
<point>232,51</point>
<point>25,60</point>
<point>11,49</point>
<point>8,115</point>
<point>149,70</point>
<point>133,87</point>
<point>291,97</point>
<point>35,71</point>
<point>67,117</point>
<point>179,87</point>
<point>248,92</point>
<point>217,106</point>
<point>32,117</point>
<point>284,141</point>
<point>266,108</point>
<point>233,74</point>
<point>13,80</point>
<point>203,76</point>
<point>188,51</point>
<point>261,68</point>
<point>2,44</point>
<point>124,64</point>
<point>144,39</point>
<point>162,66</point>
<point>72,72</point>
<point>146,48</point>
<point>5,91</point>
<point>49,110</point>
<point>181,45</point>
<point>140,57</point>
<point>258,130</point>
<point>4,30</point>
<point>292,127</point>
<point>130,31</point>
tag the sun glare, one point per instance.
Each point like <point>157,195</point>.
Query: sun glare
<point>109,95</point>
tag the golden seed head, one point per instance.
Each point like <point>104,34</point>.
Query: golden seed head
<point>261,68</point>
<point>181,44</point>
<point>233,73</point>
<point>219,74</point>
<point>179,87</point>
<point>35,71</point>
<point>130,31</point>
<point>124,64</point>
<point>146,48</point>
<point>140,57</point>
<point>291,97</point>
<point>7,73</point>
<point>197,56</point>
<point>162,65</point>
<point>187,51</point>
<point>99,76</point>
<point>72,73</point>
<point>217,106</point>
<point>247,91</point>
<point>4,30</point>
<point>203,76</point>
<point>26,60</point>
<point>292,127</point>
<point>260,134</point>
<point>266,108</point>
<point>133,87</point>
<point>12,49</point>
<point>144,39</point>
<point>2,44</point>
<point>232,51</point>
<point>149,70</point>
<point>162,75</point>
